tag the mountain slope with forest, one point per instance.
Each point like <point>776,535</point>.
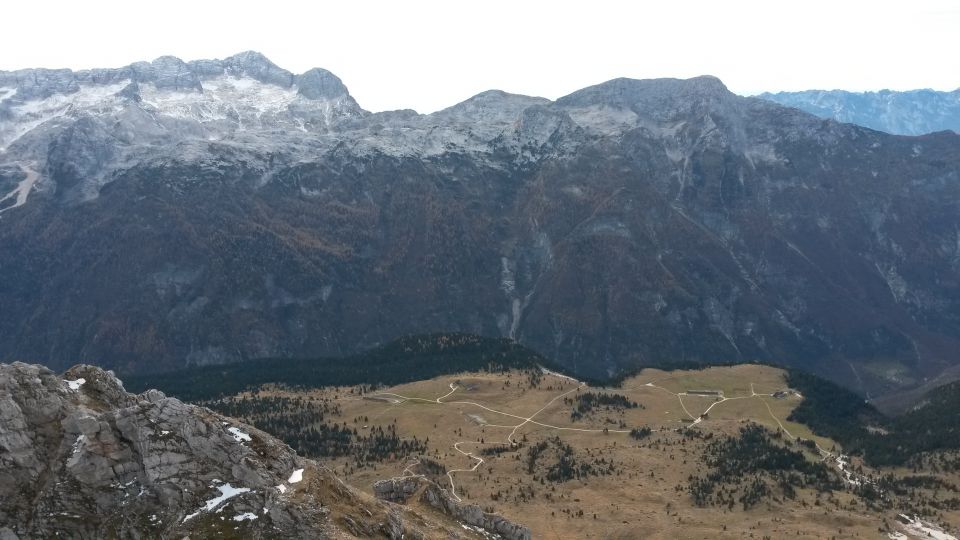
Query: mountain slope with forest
<point>170,214</point>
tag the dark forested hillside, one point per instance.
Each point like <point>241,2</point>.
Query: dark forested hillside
<point>754,466</point>
<point>931,427</point>
<point>408,359</point>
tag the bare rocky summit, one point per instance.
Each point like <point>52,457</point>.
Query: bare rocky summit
<point>82,458</point>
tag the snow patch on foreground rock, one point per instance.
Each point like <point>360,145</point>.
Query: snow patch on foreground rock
<point>297,476</point>
<point>226,492</point>
<point>239,435</point>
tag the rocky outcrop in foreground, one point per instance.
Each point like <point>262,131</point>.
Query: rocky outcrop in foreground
<point>82,458</point>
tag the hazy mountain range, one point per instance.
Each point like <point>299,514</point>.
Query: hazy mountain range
<point>914,112</point>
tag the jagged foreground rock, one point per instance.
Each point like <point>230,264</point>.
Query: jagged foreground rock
<point>82,458</point>
<point>173,213</point>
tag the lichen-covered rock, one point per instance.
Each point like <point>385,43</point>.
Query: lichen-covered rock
<point>398,490</point>
<point>401,490</point>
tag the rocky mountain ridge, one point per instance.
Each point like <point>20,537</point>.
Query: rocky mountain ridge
<point>152,226</point>
<point>82,458</point>
<point>170,73</point>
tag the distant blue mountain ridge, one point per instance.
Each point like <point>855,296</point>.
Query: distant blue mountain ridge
<point>913,112</point>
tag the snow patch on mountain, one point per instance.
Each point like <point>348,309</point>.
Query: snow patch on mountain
<point>241,100</point>
<point>29,115</point>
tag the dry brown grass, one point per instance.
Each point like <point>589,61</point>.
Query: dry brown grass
<point>640,500</point>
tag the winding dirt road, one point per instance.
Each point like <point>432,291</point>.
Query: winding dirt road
<point>408,472</point>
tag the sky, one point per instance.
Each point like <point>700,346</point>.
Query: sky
<point>427,55</point>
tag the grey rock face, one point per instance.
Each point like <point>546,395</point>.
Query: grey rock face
<point>40,83</point>
<point>107,76</point>
<point>168,73</point>
<point>165,101</point>
<point>82,458</point>
<point>256,65</point>
<point>398,490</point>
<point>319,84</point>
<point>249,63</point>
<point>172,74</point>
<point>131,92</point>
<point>657,97</point>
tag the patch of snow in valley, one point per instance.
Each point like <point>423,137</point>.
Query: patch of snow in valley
<point>75,385</point>
<point>842,463</point>
<point>282,488</point>
<point>246,516</point>
<point>555,374</point>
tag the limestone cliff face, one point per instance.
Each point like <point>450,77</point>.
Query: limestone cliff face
<point>82,458</point>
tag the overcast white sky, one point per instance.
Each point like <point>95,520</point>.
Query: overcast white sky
<point>427,55</point>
